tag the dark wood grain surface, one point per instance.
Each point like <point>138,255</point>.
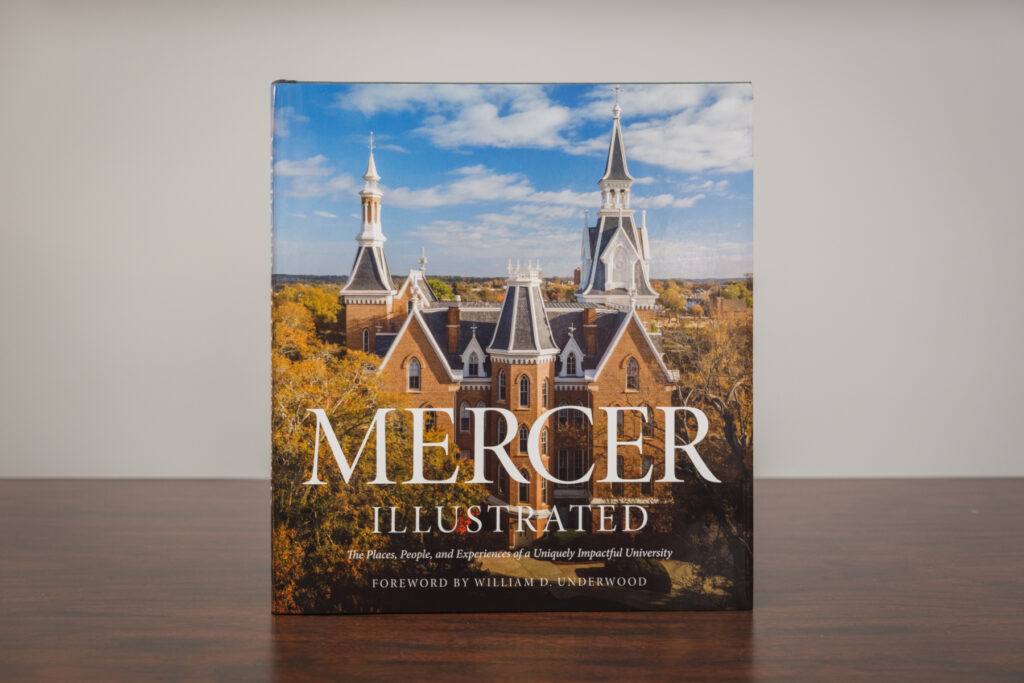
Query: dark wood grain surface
<point>170,580</point>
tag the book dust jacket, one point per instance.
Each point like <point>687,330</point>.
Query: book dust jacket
<point>512,347</point>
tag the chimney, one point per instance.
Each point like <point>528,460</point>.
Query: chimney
<point>590,331</point>
<point>453,329</point>
<point>577,276</point>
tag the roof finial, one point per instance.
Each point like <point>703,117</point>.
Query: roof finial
<point>423,259</point>
<point>371,133</point>
<point>617,108</point>
<point>586,218</point>
<point>572,329</point>
<point>473,329</point>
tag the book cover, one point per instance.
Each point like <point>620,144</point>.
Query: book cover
<point>512,348</point>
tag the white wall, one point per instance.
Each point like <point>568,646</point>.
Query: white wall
<point>135,253</point>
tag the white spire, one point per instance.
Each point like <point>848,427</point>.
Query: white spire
<point>371,167</point>
<point>616,110</point>
<point>423,259</point>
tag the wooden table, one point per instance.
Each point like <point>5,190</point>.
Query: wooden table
<point>170,580</point>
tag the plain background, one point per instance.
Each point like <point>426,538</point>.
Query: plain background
<point>134,201</point>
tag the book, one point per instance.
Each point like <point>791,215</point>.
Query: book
<point>512,349</point>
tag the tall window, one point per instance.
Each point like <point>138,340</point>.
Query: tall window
<point>366,340</point>
<point>620,417</point>
<point>414,375</point>
<point>544,397</point>
<point>647,487</point>
<point>648,424</point>
<point>464,417</point>
<point>577,415</point>
<point>524,489</point>
<point>502,429</point>
<point>563,416</point>
<point>563,464</point>
<point>570,364</point>
<point>501,385</point>
<point>429,419</point>
<point>524,438</point>
<point>632,374</point>
<point>474,365</point>
<point>524,391</point>
<point>544,490</point>
<point>502,479</point>
<point>544,442</point>
<point>618,488</point>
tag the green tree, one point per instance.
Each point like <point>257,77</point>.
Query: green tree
<point>441,288</point>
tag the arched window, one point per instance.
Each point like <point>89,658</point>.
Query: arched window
<point>632,374</point>
<point>563,415</point>
<point>544,442</point>
<point>501,385</point>
<point>577,415</point>
<point>474,365</point>
<point>464,417</point>
<point>414,375</point>
<point>524,391</point>
<point>524,438</point>
<point>570,364</point>
<point>502,429</point>
<point>544,393</point>
<point>366,340</point>
<point>524,489</point>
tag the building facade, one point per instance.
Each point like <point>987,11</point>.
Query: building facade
<point>529,356</point>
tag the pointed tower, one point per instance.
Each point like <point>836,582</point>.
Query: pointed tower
<point>369,292</point>
<point>522,352</point>
<point>616,253</point>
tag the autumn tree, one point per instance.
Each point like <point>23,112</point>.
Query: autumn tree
<point>315,526</point>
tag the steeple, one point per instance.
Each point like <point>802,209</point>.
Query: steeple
<point>370,273</point>
<point>616,252</point>
<point>616,181</point>
<point>372,235</point>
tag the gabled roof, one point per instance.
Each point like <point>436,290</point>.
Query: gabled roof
<point>629,319</point>
<point>370,272</point>
<point>416,318</point>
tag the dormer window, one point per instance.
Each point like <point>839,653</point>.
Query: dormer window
<point>474,365</point>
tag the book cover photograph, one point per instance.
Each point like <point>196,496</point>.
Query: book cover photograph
<point>512,347</point>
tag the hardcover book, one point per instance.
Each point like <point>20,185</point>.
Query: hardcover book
<point>512,348</point>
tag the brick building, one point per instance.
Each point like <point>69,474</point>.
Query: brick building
<point>527,355</point>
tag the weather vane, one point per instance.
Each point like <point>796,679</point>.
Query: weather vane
<point>371,140</point>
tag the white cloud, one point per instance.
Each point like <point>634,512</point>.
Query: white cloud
<point>297,215</point>
<point>646,99</point>
<point>324,214</point>
<point>285,116</point>
<point>706,135</point>
<point>471,115</point>
<point>392,147</point>
<point>662,201</point>
<point>338,187</point>
<point>313,166</point>
<point>482,184</point>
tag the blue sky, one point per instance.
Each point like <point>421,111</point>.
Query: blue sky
<point>478,174</point>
